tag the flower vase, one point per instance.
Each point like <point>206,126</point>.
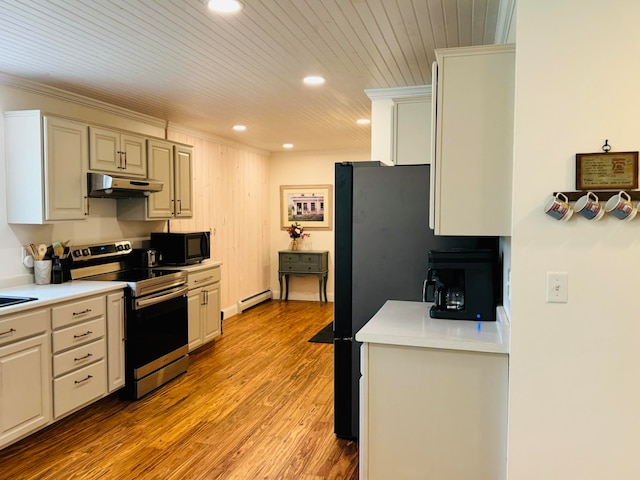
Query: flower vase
<point>295,244</point>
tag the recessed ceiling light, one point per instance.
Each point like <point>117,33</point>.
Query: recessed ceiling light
<point>224,6</point>
<point>313,80</point>
<point>363,121</point>
<point>239,128</point>
<point>287,145</point>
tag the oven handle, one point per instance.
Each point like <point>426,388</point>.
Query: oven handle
<point>159,297</point>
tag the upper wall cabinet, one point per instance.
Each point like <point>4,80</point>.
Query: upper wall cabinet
<point>46,165</point>
<point>472,140</point>
<point>117,152</point>
<point>171,164</point>
<point>400,125</point>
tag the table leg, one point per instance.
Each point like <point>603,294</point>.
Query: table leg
<point>326,276</point>
<point>280,281</point>
<point>286,282</point>
<point>320,287</point>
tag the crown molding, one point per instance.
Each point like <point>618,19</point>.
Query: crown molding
<point>398,92</point>
<point>59,94</point>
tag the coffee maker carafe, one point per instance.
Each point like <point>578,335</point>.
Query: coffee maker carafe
<point>460,283</point>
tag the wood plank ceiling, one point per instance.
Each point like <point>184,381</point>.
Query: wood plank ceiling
<point>177,61</point>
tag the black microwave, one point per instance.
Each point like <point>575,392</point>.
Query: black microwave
<point>182,248</point>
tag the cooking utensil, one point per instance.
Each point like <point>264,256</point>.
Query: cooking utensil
<point>34,251</point>
<point>42,251</point>
<point>58,249</point>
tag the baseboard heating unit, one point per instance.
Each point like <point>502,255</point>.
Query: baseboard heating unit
<point>254,300</point>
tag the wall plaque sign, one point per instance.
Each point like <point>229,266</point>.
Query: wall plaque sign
<point>606,171</point>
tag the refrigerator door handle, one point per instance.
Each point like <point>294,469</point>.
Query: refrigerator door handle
<point>348,339</point>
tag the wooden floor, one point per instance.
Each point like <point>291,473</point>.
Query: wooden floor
<point>256,404</point>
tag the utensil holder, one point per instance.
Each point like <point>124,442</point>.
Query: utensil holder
<point>42,272</point>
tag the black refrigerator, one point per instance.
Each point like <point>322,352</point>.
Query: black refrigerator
<point>382,240</point>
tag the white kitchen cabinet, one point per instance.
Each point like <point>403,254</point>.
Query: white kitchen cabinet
<point>432,413</point>
<point>172,165</point>
<point>117,152</point>
<point>115,340</point>
<point>46,165</point>
<point>204,305</point>
<point>25,374</point>
<point>411,133</point>
<point>400,125</point>
<point>472,140</point>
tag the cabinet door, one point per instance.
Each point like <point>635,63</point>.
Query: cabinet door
<point>183,179</point>
<point>66,159</point>
<point>194,305</point>
<point>115,341</point>
<point>25,388</point>
<point>474,140</point>
<point>134,154</point>
<point>161,204</point>
<point>412,124</point>
<point>104,150</point>
<point>211,312</point>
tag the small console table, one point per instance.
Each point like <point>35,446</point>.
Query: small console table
<point>301,264</point>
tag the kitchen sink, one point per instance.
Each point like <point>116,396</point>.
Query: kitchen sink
<point>7,301</point>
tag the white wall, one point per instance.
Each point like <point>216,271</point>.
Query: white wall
<point>574,383</point>
<point>293,168</point>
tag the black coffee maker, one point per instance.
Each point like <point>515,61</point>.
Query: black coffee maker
<point>461,284</point>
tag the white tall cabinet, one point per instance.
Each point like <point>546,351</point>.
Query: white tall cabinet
<point>46,165</point>
<point>472,140</point>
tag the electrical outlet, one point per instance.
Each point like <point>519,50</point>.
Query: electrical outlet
<point>557,287</point>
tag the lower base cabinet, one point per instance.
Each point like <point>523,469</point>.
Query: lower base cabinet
<point>25,388</point>
<point>203,305</point>
<point>432,413</point>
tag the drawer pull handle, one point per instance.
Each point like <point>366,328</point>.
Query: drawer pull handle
<point>203,279</point>
<point>89,377</point>
<point>89,332</point>
<point>88,310</point>
<point>11,330</point>
<point>88,355</point>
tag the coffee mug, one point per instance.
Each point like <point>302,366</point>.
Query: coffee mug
<point>589,207</point>
<point>558,207</point>
<point>621,207</point>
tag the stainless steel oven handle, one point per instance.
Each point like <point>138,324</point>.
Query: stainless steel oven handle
<point>160,297</point>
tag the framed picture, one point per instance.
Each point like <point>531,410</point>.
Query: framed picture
<point>606,171</point>
<point>308,205</point>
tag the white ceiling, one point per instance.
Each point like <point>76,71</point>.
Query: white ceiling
<point>177,61</point>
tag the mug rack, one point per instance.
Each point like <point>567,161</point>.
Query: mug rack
<point>603,195</point>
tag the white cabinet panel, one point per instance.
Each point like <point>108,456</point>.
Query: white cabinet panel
<point>473,140</point>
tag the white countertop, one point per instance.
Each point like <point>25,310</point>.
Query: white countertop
<point>49,294</point>
<point>409,324</point>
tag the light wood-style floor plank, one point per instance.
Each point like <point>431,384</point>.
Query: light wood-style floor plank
<point>255,404</point>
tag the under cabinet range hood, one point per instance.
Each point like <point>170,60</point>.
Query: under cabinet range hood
<point>101,185</point>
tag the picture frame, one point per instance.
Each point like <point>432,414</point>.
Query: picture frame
<point>308,205</point>
<point>607,171</point>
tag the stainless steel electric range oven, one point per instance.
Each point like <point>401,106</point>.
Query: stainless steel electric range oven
<point>156,342</point>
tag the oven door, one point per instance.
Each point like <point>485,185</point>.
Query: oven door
<point>157,331</point>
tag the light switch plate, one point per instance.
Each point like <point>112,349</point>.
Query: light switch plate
<point>557,287</point>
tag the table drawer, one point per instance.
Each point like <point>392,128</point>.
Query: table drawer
<point>77,311</point>
<point>301,262</point>
<point>23,325</point>
<point>77,388</point>
<point>79,357</point>
<point>78,334</point>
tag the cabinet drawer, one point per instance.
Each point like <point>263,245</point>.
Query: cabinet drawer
<point>77,388</point>
<point>78,334</point>
<point>23,325</point>
<point>79,357</point>
<point>77,311</point>
<point>203,277</point>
